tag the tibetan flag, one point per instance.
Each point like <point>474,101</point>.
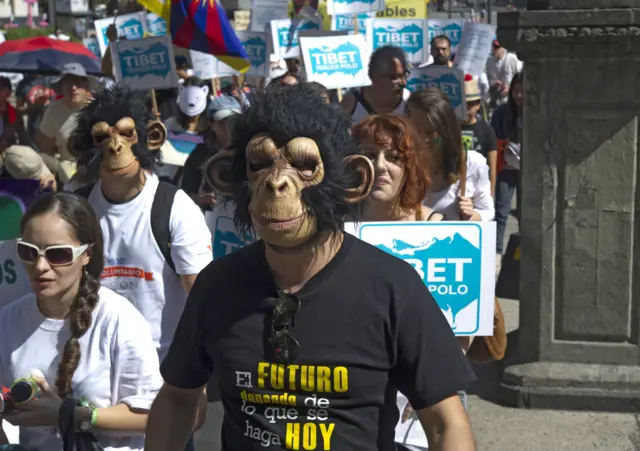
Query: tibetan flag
<point>202,25</point>
<point>160,8</point>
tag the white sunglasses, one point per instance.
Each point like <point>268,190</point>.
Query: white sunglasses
<point>58,255</point>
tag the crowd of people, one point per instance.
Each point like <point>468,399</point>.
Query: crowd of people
<point>132,314</point>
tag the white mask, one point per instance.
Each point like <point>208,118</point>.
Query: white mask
<point>192,100</point>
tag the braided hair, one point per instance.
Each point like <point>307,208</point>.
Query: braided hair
<point>84,226</point>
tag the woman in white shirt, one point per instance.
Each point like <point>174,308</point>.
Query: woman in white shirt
<point>90,344</point>
<point>431,113</point>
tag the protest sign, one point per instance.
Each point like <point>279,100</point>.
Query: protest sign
<point>92,44</point>
<point>285,35</point>
<point>264,11</point>
<point>448,80</point>
<point>408,34</point>
<point>336,61</point>
<point>474,48</point>
<point>338,7</point>
<point>15,197</point>
<point>145,64</point>
<point>451,28</point>
<point>348,23</point>
<point>156,25</point>
<point>258,48</point>
<point>130,26</point>
<point>325,18</point>
<point>204,65</point>
<point>403,9</point>
<point>225,236</point>
<point>456,261</point>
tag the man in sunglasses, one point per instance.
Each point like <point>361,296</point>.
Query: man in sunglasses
<point>309,331</point>
<point>387,93</point>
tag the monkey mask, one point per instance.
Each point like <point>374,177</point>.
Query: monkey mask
<point>296,170</point>
<point>118,123</point>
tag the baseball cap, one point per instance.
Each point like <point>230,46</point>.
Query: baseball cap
<point>224,106</point>
<point>22,162</point>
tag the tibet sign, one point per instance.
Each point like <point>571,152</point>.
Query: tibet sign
<point>258,48</point>
<point>348,7</point>
<point>145,64</point>
<point>455,260</point>
<point>451,28</point>
<point>408,34</point>
<point>448,79</point>
<point>336,61</point>
<point>285,35</point>
<point>129,26</point>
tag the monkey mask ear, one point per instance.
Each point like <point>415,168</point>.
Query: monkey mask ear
<point>362,168</point>
<point>217,172</point>
<point>156,135</point>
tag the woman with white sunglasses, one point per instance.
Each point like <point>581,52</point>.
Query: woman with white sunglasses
<point>90,344</point>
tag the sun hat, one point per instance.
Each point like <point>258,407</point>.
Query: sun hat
<point>22,162</point>
<point>73,69</point>
<point>472,91</point>
<point>223,107</point>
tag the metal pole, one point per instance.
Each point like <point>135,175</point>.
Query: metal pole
<point>489,11</point>
<point>450,3</point>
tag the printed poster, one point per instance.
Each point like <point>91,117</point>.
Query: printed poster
<point>130,26</point>
<point>284,33</point>
<point>474,48</point>
<point>325,18</point>
<point>403,9</point>
<point>338,7</point>
<point>258,48</point>
<point>156,25</point>
<point>451,28</point>
<point>92,44</point>
<point>336,61</point>
<point>448,80</point>
<point>145,64</point>
<point>225,236</point>
<point>15,197</point>
<point>456,261</point>
<point>348,23</point>
<point>204,65</point>
<point>408,34</point>
<point>264,11</point>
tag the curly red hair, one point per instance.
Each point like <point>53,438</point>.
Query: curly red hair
<point>384,130</point>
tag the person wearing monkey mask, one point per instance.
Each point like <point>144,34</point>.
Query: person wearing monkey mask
<point>155,238</point>
<point>309,330</point>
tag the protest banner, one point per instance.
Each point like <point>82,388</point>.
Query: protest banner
<point>451,28</point>
<point>129,26</point>
<point>338,7</point>
<point>403,9</point>
<point>145,64</point>
<point>474,48</point>
<point>325,17</point>
<point>285,35</point>
<point>448,80</point>
<point>92,44</point>
<point>156,25</point>
<point>258,48</point>
<point>455,259</point>
<point>408,34</point>
<point>336,61</point>
<point>348,23</point>
<point>224,235</point>
<point>15,197</point>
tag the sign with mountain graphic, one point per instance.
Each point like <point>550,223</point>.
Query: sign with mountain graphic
<point>225,236</point>
<point>129,26</point>
<point>449,80</point>
<point>451,28</point>
<point>156,25</point>
<point>285,35</point>
<point>336,61</point>
<point>145,64</point>
<point>456,261</point>
<point>349,7</point>
<point>15,198</point>
<point>348,23</point>
<point>258,48</point>
<point>408,34</point>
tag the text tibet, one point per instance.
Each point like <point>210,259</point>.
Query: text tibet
<point>342,61</point>
<point>405,39</point>
<point>146,62</point>
<point>306,417</point>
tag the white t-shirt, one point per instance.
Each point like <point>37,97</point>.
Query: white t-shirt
<point>58,121</point>
<point>478,189</point>
<point>225,236</point>
<point>134,265</point>
<point>118,362</point>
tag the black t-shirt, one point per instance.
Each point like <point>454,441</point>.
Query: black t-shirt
<point>367,324</point>
<point>479,137</point>
<point>193,170</point>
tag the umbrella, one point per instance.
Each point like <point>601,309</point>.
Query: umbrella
<point>43,55</point>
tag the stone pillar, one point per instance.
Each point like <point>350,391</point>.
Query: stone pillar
<point>579,337</point>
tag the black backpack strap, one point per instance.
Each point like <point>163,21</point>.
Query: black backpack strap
<point>85,191</point>
<point>161,219</point>
<point>359,95</point>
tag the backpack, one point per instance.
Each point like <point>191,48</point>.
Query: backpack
<point>160,216</point>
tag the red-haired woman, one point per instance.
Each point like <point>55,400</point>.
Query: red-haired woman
<point>401,182</point>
